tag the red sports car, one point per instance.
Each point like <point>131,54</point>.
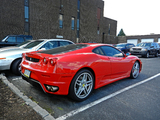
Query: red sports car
<point>77,69</point>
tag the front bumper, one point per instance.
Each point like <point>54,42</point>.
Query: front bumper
<point>5,64</point>
<point>138,53</point>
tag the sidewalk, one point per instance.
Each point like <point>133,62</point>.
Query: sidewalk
<point>16,106</point>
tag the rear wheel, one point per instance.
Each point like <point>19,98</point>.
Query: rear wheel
<point>81,85</point>
<point>135,70</point>
<point>15,68</point>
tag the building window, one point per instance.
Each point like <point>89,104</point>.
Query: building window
<point>26,16</point>
<point>78,17</point>
<point>77,24</point>
<point>72,23</point>
<point>60,21</point>
<point>78,5</point>
<point>26,13</point>
<point>98,13</point>
<point>98,30</point>
<point>109,29</point>
<point>61,4</point>
<point>98,19</point>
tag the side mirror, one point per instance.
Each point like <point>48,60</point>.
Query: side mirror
<point>128,53</point>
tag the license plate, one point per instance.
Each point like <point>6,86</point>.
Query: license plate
<point>27,73</point>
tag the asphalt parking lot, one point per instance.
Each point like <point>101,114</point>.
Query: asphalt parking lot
<point>129,99</point>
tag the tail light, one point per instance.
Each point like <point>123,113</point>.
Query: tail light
<point>53,61</point>
<point>45,60</point>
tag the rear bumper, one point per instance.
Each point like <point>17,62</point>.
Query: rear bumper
<point>62,81</point>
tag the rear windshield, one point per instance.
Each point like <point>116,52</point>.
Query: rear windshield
<point>64,49</point>
<point>33,44</point>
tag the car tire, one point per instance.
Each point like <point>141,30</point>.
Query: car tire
<point>82,85</point>
<point>135,70</point>
<point>15,68</point>
<point>156,55</point>
<point>147,55</point>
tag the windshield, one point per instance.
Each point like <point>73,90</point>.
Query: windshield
<point>23,43</point>
<point>64,49</point>
<point>3,40</point>
<point>143,45</point>
<point>33,44</point>
<point>120,45</point>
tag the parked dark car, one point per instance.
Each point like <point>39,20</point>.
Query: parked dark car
<point>125,47</point>
<point>13,40</point>
<point>145,49</point>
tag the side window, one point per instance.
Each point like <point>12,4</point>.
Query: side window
<point>11,39</point>
<point>63,43</point>
<point>50,45</point>
<point>28,38</point>
<point>110,51</point>
<point>20,39</point>
<point>98,51</point>
<point>127,46</point>
<point>54,44</point>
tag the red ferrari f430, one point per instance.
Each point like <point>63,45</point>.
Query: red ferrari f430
<point>77,69</point>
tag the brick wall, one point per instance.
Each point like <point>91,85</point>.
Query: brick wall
<point>11,17</point>
<point>44,19</point>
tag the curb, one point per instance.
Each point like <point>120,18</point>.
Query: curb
<point>45,115</point>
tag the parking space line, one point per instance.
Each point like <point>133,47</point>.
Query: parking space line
<point>72,113</point>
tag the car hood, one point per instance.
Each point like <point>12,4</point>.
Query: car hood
<point>12,52</point>
<point>140,47</point>
<point>119,47</point>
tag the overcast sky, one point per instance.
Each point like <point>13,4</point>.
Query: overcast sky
<point>135,17</point>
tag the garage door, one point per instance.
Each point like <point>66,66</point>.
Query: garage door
<point>134,41</point>
<point>147,40</point>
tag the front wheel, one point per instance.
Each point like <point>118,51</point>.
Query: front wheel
<point>135,70</point>
<point>147,55</point>
<point>81,85</point>
<point>156,55</point>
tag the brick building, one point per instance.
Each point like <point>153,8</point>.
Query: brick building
<point>76,20</point>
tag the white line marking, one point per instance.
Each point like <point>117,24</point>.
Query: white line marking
<point>104,99</point>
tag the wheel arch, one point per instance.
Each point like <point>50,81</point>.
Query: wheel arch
<point>140,64</point>
<point>87,68</point>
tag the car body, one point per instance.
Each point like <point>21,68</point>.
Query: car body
<point>145,49</point>
<point>95,65</point>
<point>11,58</point>
<point>159,46</point>
<point>125,47</point>
<point>13,40</point>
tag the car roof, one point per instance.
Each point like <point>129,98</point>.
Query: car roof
<point>55,40</point>
<point>95,44</point>
<point>20,35</point>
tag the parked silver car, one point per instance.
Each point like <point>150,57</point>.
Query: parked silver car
<point>11,58</point>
